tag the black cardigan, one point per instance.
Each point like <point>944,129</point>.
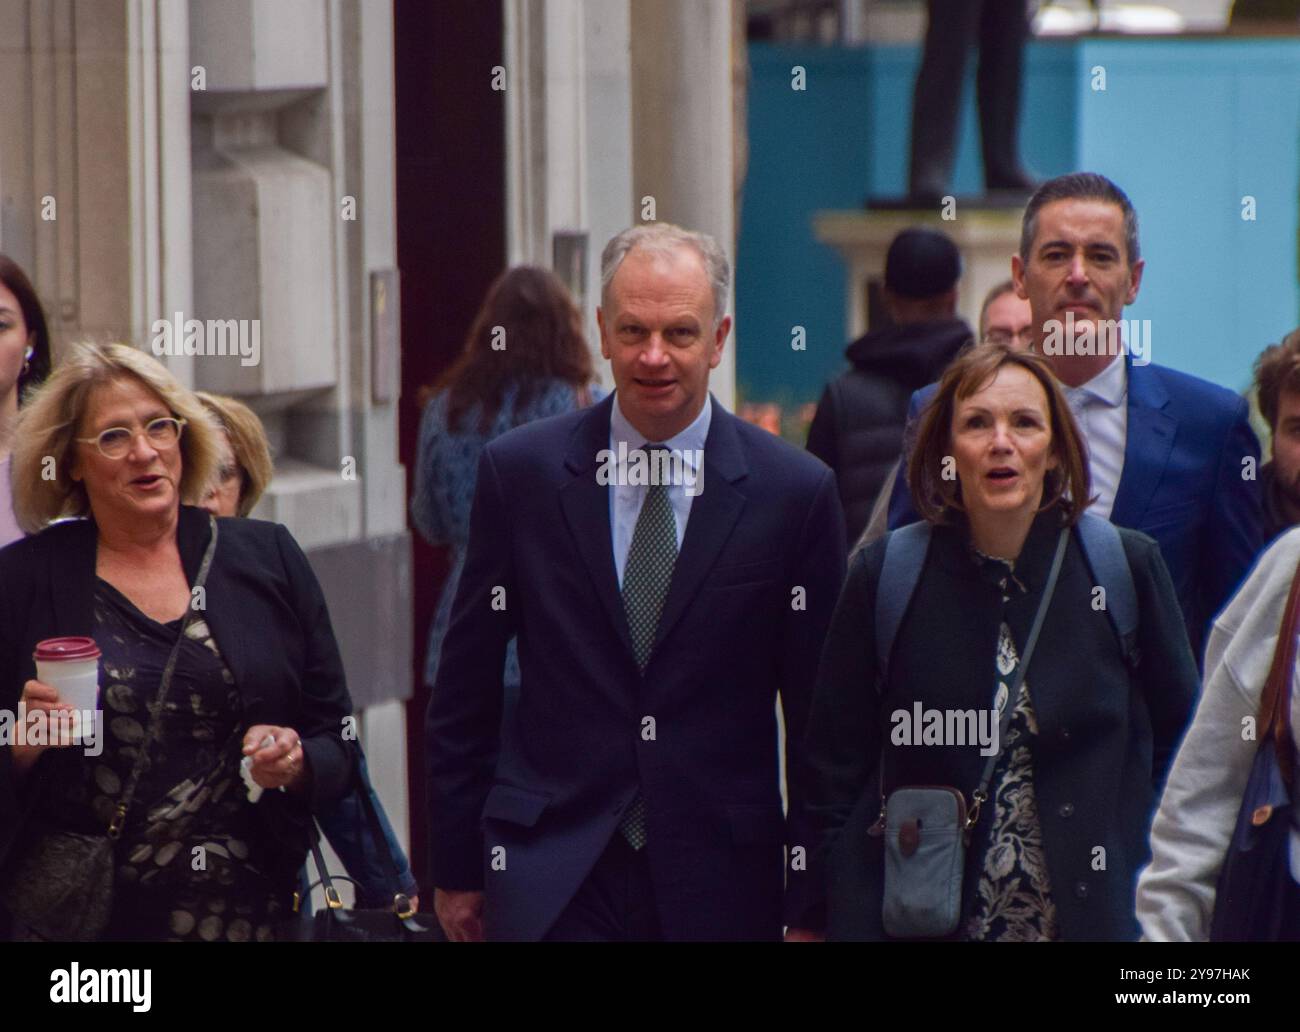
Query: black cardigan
<point>265,609</point>
<point>1106,735</point>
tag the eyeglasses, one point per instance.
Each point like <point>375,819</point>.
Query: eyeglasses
<point>1002,337</point>
<point>116,441</point>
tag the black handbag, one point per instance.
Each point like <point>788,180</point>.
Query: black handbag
<point>336,923</point>
<point>59,884</point>
<point>1255,883</point>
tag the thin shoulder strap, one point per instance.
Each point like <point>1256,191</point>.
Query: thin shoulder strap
<point>155,709</point>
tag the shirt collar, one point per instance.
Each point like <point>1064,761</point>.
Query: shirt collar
<point>1109,386</point>
<point>688,442</point>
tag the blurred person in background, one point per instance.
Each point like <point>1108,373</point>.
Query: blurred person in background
<point>244,472</point>
<point>858,428</point>
<point>1277,385</point>
<point>525,358</point>
<point>1005,318</point>
<point>24,365</point>
<point>254,670</point>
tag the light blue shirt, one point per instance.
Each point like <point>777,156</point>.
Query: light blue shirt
<point>625,500</point>
<point>1100,407</point>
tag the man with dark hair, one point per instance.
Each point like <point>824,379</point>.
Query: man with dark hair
<point>858,428</point>
<point>1170,454</point>
<point>1277,385</point>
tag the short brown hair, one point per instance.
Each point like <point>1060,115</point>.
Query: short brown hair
<point>1276,370</point>
<point>248,442</point>
<point>937,499</point>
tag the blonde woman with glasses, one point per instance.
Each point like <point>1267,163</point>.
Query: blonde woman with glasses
<point>158,829</point>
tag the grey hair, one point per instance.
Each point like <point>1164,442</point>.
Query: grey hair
<point>664,238</point>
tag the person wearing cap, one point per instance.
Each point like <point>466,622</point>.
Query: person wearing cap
<point>858,428</point>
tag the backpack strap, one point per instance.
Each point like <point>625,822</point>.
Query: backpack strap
<point>905,550</point>
<point>1104,550</point>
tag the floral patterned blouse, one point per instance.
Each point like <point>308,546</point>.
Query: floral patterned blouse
<point>1013,895</point>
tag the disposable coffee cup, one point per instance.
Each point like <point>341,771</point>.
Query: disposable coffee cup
<point>71,667</point>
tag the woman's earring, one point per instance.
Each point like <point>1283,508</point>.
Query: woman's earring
<point>27,358</point>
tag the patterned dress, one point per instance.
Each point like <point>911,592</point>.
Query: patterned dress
<point>193,862</point>
<point>1013,897</point>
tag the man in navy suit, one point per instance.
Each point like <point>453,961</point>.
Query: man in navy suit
<point>1171,455</point>
<point>633,790</point>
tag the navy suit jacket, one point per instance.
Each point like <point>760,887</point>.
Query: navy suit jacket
<point>1184,482</point>
<point>524,806</point>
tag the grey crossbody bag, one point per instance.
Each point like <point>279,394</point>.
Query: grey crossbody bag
<point>927,828</point>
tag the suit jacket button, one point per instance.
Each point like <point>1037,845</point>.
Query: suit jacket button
<point>1081,890</point>
<point>1065,734</point>
<point>1066,810</point>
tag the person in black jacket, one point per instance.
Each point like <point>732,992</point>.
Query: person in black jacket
<point>1059,841</point>
<point>257,671</point>
<point>858,428</point>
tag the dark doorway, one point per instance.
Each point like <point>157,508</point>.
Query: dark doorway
<point>451,243</point>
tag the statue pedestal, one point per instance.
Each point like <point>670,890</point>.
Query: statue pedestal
<point>987,238</point>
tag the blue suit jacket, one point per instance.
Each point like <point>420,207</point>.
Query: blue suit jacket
<point>524,807</point>
<point>1184,483</point>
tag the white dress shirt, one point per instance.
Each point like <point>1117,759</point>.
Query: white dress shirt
<point>1100,407</point>
<point>625,500</point>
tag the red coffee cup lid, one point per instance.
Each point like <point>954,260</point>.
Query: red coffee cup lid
<point>55,649</point>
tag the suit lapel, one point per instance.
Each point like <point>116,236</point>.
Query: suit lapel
<point>585,504</point>
<point>1148,441</point>
<point>714,512</point>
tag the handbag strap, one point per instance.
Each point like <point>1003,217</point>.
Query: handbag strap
<point>155,710</point>
<point>1275,701</point>
<point>981,792</point>
<point>401,901</point>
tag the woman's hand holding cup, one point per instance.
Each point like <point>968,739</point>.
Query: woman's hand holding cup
<point>42,698</point>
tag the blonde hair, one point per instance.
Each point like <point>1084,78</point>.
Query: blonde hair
<point>247,441</point>
<point>50,420</point>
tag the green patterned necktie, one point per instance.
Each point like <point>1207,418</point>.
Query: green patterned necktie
<point>646,577</point>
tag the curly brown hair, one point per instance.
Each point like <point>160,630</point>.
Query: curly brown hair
<point>938,499</point>
<point>1276,370</point>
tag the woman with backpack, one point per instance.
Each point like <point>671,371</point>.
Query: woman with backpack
<point>1001,689</point>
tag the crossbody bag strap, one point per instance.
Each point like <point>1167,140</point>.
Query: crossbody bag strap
<point>1275,701</point>
<point>981,792</point>
<point>155,710</point>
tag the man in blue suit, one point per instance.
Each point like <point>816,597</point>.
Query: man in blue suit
<point>1171,455</point>
<point>633,790</point>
